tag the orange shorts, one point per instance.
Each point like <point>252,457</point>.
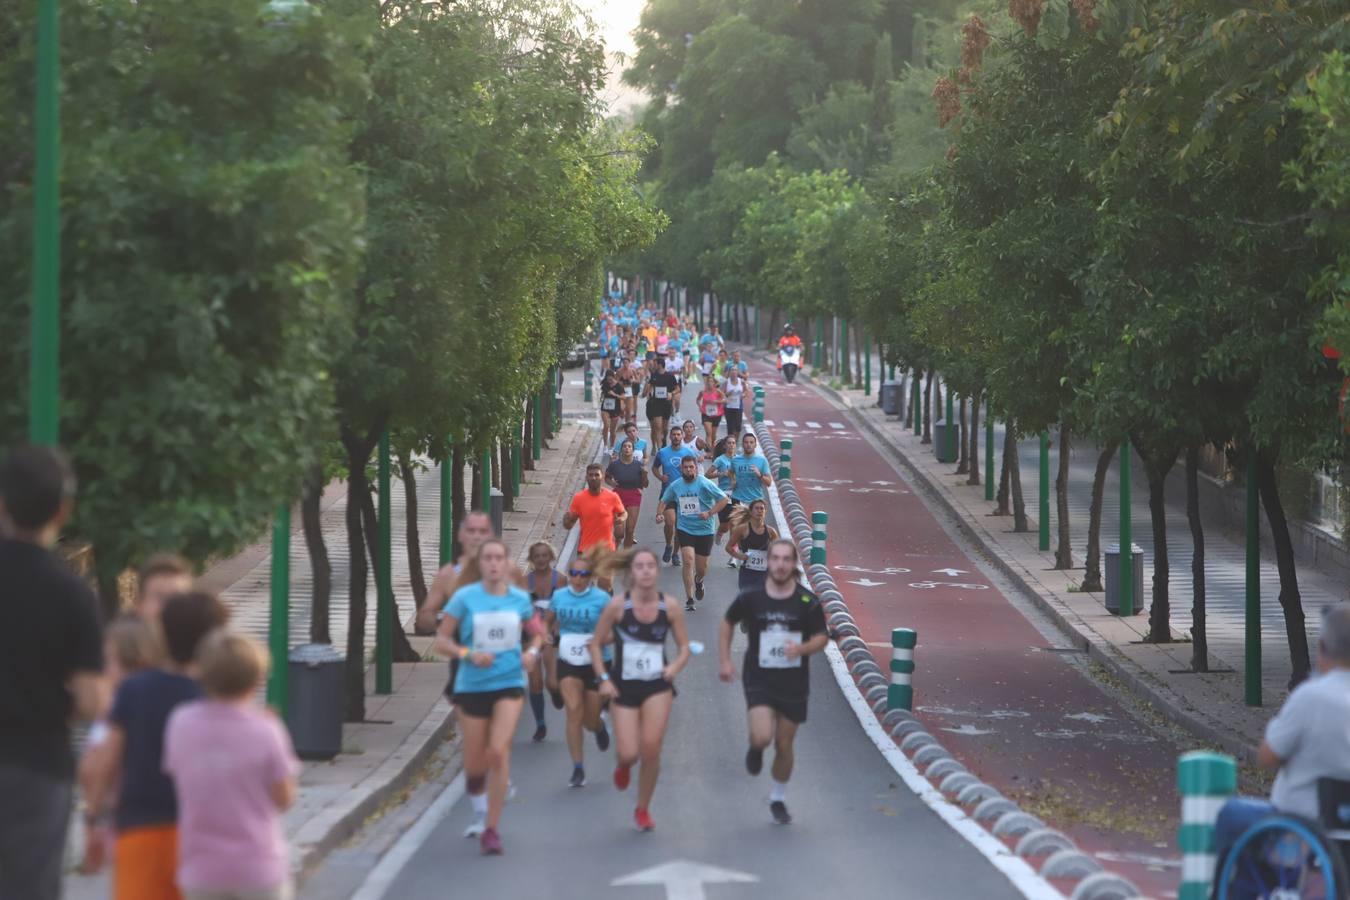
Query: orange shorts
<point>145,864</point>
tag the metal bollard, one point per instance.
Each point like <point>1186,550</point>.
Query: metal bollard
<point>590,375</point>
<point>900,694</point>
<point>819,528</point>
<point>1206,780</point>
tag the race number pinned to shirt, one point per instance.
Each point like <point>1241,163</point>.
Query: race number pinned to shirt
<point>773,649</point>
<point>608,404</point>
<point>496,632</point>
<point>710,409</point>
<point>757,560</point>
<point>574,649</point>
<point>689,505</point>
<point>642,661</point>
<point>660,393</point>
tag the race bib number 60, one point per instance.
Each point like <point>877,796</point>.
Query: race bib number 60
<point>496,632</point>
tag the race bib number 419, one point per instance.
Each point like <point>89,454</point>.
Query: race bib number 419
<point>689,505</point>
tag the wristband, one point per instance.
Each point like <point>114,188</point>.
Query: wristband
<point>464,652</point>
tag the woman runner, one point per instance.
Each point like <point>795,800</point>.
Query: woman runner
<point>542,580</point>
<point>734,388</point>
<point>749,542</point>
<point>642,688</point>
<point>628,477</point>
<point>711,404</point>
<point>611,398</point>
<point>692,439</point>
<point>482,627</point>
<point>572,620</point>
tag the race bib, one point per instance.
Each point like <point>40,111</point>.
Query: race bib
<point>773,650</point>
<point>660,393</point>
<point>574,649</point>
<point>710,409</point>
<point>757,560</point>
<point>689,505</point>
<point>642,661</point>
<point>608,404</point>
<point>496,632</point>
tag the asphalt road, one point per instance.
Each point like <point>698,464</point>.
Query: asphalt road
<point>857,828</point>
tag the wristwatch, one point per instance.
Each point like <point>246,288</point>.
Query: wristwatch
<point>603,676</point>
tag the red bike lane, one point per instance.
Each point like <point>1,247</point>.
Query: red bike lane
<point>988,684</point>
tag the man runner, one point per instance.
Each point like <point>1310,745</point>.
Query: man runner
<point>666,466</point>
<point>599,510</point>
<point>785,624</point>
<point>662,386</point>
<point>696,502</point>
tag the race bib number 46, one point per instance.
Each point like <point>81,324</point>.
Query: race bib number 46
<point>575,649</point>
<point>689,505</point>
<point>773,649</point>
<point>642,661</point>
<point>496,632</point>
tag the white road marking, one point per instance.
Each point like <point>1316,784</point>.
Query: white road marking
<point>882,482</point>
<point>969,731</point>
<point>836,424</point>
<point>682,879</point>
<point>951,572</point>
<point>789,423</point>
<point>889,570</point>
<point>818,488</point>
<point>871,490</point>
<point>769,422</point>
<point>381,877</point>
<point>867,582</point>
<point>812,424</point>
<point>1094,718</point>
<point>825,481</point>
<point>929,585</point>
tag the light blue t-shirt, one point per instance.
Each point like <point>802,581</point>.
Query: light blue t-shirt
<point>707,493</point>
<point>748,469</point>
<point>639,448</point>
<point>492,624</point>
<point>580,613</point>
<point>722,466</point>
<point>669,458</point>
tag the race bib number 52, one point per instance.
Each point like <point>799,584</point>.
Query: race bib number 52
<point>575,649</point>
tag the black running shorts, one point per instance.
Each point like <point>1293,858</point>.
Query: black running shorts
<point>702,543</point>
<point>794,710</point>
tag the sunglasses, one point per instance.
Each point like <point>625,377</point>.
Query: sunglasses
<point>579,573</point>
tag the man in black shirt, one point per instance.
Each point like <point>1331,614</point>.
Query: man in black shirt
<point>785,624</point>
<point>660,392</point>
<point>51,664</point>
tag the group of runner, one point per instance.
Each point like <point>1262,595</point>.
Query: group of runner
<point>598,635</point>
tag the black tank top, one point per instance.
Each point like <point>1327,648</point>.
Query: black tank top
<point>753,541</point>
<point>629,629</point>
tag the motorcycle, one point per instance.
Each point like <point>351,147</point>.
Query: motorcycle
<point>789,360</point>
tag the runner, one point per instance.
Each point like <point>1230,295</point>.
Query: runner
<point>666,466</point>
<point>600,512</point>
<point>611,397</point>
<point>675,366</point>
<point>643,684</point>
<point>786,624</point>
<point>628,390</point>
<point>707,359</point>
<point>475,528</point>
<point>696,500</point>
<point>726,480</point>
<point>630,433</point>
<point>542,581</point>
<point>482,628</point>
<point>751,470</point>
<point>571,621</point>
<point>662,386</point>
<point>749,543</point>
<point>711,405</point>
<point>734,389</point>
<point>628,478</point>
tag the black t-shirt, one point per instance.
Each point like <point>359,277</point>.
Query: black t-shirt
<point>628,476</point>
<point>51,631</point>
<point>665,380</point>
<point>141,709</point>
<point>801,613</point>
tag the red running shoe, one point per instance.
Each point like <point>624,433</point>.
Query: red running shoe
<point>490,843</point>
<point>643,820</point>
<point>621,777</point>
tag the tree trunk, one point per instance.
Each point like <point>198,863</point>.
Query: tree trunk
<point>1199,637</point>
<point>476,499</point>
<point>496,467</point>
<point>413,536</point>
<point>1290,600</point>
<point>321,594</point>
<point>910,379</point>
<point>358,454</point>
<point>1092,575</point>
<point>1063,552</point>
<point>938,409</point>
<point>527,442</point>
<point>1156,467</point>
<point>928,411</point>
<point>859,348</point>
<point>963,461</point>
<point>508,495</point>
<point>1019,507</point>
<point>402,649</point>
<point>845,356</point>
<point>457,498</point>
<point>546,408</point>
<point>771,336</point>
<point>1004,495</point>
<point>974,439</point>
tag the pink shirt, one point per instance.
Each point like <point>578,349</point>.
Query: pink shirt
<point>224,760</point>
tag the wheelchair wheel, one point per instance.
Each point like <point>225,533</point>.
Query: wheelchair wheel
<point>1282,858</point>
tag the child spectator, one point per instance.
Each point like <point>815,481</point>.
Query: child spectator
<point>235,771</point>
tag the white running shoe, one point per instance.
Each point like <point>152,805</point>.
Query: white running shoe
<point>476,828</point>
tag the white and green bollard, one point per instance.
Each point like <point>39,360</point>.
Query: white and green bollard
<point>1206,780</point>
<point>757,411</point>
<point>784,459</point>
<point>819,528</point>
<point>900,695</point>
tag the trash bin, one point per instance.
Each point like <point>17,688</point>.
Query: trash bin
<point>891,398</point>
<point>944,442</point>
<point>316,698</point>
<point>1113,579</point>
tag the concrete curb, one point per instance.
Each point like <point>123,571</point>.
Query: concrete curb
<point>1136,679</point>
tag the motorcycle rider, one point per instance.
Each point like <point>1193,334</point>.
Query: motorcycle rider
<point>791,346</point>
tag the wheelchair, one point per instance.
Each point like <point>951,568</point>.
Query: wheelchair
<point>1287,857</point>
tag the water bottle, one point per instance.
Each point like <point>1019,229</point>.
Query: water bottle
<point>696,647</point>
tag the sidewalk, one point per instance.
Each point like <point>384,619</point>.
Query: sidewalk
<point>1211,704</point>
<point>382,754</point>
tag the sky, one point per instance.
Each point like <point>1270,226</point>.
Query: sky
<point>617,19</point>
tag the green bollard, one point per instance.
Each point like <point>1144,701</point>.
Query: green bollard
<point>537,439</point>
<point>515,468</point>
<point>279,613</point>
<point>485,480</point>
<point>867,365</point>
<point>900,694</point>
<point>784,465</point>
<point>384,588</point>
<point>918,403</point>
<point>1251,664</point>
<point>1043,491</point>
<point>819,528</point>
<point>1205,780</point>
<point>589,377</point>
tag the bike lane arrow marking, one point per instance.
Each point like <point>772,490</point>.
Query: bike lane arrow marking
<point>968,730</point>
<point>867,582</point>
<point>950,572</point>
<point>682,879</point>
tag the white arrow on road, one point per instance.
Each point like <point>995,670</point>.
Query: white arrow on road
<point>968,730</point>
<point>682,879</point>
<point>950,572</point>
<point>867,582</point>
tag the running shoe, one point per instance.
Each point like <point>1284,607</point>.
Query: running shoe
<point>665,557</point>
<point>557,699</point>
<point>778,809</point>
<point>490,844</point>
<point>731,563</point>
<point>602,738</point>
<point>621,777</point>
<point>698,589</point>
<point>643,820</point>
<point>689,605</point>
<point>540,733</point>
<point>578,778</point>
<point>675,560</point>
<point>754,760</point>
<point>476,827</point>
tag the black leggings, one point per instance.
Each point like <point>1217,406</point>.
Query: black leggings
<point>734,422</point>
